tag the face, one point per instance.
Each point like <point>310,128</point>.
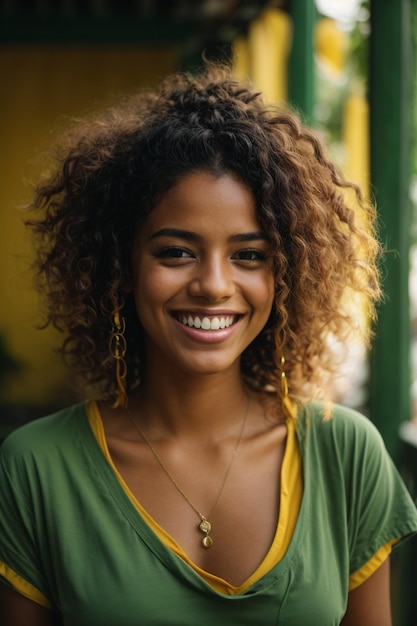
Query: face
<point>202,275</point>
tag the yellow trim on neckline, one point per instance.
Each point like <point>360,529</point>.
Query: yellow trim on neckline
<point>290,502</point>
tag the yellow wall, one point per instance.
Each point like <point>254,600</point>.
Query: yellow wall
<point>41,88</point>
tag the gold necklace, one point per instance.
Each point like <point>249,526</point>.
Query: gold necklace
<point>204,525</point>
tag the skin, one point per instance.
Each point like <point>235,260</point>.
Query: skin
<point>16,610</point>
<point>370,604</point>
<point>192,259</point>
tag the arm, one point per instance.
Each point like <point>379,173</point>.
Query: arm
<point>369,604</point>
<point>16,610</point>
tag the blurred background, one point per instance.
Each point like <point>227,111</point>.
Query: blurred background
<point>347,66</point>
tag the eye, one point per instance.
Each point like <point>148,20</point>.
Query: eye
<point>250,255</point>
<point>174,254</point>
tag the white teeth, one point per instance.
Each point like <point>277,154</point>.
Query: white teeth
<point>215,323</point>
<point>206,323</point>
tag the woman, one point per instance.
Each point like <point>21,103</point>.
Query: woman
<point>199,252</point>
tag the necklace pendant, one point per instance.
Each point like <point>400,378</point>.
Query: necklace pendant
<point>207,541</point>
<point>205,528</point>
<point>205,525</point>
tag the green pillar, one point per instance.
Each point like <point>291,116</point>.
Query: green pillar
<point>390,105</point>
<point>301,65</point>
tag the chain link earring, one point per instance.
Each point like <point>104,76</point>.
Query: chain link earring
<point>287,404</point>
<point>118,347</point>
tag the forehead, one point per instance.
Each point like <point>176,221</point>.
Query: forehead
<point>203,199</point>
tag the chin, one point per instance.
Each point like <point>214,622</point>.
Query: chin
<point>208,367</point>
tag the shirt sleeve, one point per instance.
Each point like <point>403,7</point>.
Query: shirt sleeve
<point>20,550</point>
<point>380,510</point>
<point>357,578</point>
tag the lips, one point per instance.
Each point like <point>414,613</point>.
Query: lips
<point>206,322</point>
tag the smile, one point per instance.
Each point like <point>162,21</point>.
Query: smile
<point>207,323</point>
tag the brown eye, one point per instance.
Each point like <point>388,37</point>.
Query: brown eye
<point>173,253</point>
<point>250,255</point>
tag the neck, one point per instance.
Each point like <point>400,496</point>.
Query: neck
<point>189,406</point>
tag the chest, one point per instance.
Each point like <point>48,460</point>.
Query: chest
<point>116,570</point>
<point>104,564</point>
<point>241,501</point>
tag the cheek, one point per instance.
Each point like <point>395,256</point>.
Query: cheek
<point>261,293</point>
<point>265,291</point>
<point>267,309</point>
<point>154,286</point>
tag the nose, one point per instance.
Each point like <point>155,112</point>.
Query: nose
<point>213,280</point>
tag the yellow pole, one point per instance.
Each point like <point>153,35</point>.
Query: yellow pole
<point>356,140</point>
<point>269,42</point>
<point>241,62</point>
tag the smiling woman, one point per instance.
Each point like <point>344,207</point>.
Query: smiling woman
<point>209,269</point>
<point>196,247</point>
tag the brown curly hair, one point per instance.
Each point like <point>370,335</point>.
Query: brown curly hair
<point>114,168</point>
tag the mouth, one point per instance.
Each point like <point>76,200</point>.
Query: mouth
<point>206,322</point>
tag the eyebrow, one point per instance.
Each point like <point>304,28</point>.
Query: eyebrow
<point>257,235</point>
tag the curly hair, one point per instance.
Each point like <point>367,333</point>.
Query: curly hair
<point>111,172</point>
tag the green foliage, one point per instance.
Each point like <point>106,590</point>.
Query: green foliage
<point>332,90</point>
<point>359,45</point>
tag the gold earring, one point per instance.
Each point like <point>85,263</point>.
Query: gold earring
<point>287,405</point>
<point>118,346</point>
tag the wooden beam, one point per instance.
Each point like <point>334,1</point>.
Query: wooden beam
<point>55,31</point>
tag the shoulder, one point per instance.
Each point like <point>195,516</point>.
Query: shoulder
<point>345,435</point>
<point>348,469</point>
<point>44,434</point>
<point>338,420</point>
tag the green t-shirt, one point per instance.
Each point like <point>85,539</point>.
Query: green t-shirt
<point>69,529</point>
